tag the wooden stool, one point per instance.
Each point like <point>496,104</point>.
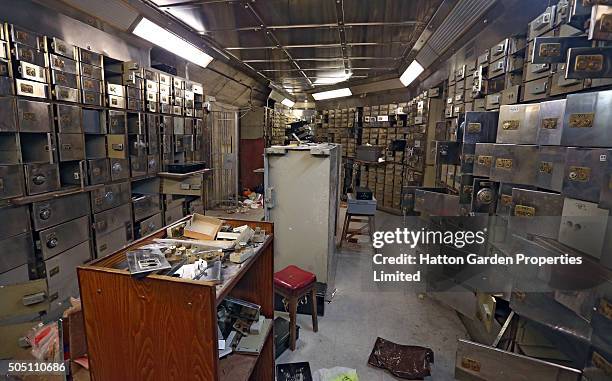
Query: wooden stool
<point>363,218</point>
<point>293,283</point>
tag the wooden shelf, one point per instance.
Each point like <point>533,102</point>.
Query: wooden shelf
<point>238,366</point>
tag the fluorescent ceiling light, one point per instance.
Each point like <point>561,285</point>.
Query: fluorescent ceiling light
<point>288,102</point>
<point>411,73</point>
<point>345,92</point>
<point>332,78</point>
<point>171,42</point>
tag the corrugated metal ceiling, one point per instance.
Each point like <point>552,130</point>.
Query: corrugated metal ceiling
<point>296,43</point>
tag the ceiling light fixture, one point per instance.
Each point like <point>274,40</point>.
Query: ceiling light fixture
<point>411,73</point>
<point>169,41</point>
<point>345,92</point>
<point>332,77</point>
<point>288,102</point>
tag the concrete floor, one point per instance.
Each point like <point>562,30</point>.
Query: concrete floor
<point>359,313</point>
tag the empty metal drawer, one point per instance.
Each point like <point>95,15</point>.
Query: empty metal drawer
<point>112,219</point>
<point>9,149</point>
<point>62,237</point>
<point>138,166</point>
<point>56,211</point>
<point>94,121</point>
<point>99,171</point>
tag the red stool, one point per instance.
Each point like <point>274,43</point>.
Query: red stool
<point>293,283</point>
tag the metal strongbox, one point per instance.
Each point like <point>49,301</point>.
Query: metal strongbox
<point>550,122</point>
<point>504,200</point>
<point>480,127</point>
<point>31,88</point>
<point>179,126</point>
<point>16,251</point>
<point>515,163</point>
<point>119,169</point>
<point>586,120</point>
<point>584,172</point>
<point>535,90</point>
<point>99,171</point>
<point>70,147</point>
<point>68,119</point>
<point>41,178</point>
<point>64,79</point>
<point>19,219</point>
<point>73,173</point>
<point>91,98</point>
<point>62,48</point>
<point>518,124</point>
<point>116,146</point>
<point>94,121</point>
<point>145,205</point>
<point>534,212</point>
<point>584,226</point>
<point>58,210</point>
<point>92,85</point>
<point>110,196</point>
<point>66,94</point>
<point>62,276</point>
<point>11,181</point>
<point>62,64</point>
<point>91,71</point>
<point>483,159</point>
<point>8,115</point>
<point>112,219</point>
<point>485,196</point>
<point>149,225</point>
<point>551,167</point>
<point>467,158</point>
<point>57,239</point>
<point>138,166</point>
<point>90,58</point>
<point>116,122</point>
<point>34,116</point>
<point>113,241</point>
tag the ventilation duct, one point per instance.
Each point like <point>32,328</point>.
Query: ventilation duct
<point>457,22</point>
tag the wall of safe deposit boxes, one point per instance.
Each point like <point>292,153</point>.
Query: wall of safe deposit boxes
<point>75,122</point>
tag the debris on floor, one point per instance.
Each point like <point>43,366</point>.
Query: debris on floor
<point>336,374</point>
<point>297,371</point>
<point>404,361</point>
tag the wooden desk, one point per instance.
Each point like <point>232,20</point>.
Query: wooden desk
<point>165,328</point>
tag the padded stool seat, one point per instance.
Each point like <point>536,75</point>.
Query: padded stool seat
<point>293,283</point>
<point>293,278</point>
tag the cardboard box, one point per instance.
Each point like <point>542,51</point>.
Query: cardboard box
<point>202,227</point>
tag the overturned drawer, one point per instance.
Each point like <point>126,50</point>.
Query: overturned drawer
<point>112,219</point>
<point>56,211</point>
<point>110,196</point>
<point>149,225</point>
<point>191,186</point>
<point>115,240</point>
<point>60,238</point>
<point>476,361</point>
<point>62,276</point>
<point>17,250</point>
<point>145,206</point>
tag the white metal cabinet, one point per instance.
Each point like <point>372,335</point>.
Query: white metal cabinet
<point>302,199</point>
